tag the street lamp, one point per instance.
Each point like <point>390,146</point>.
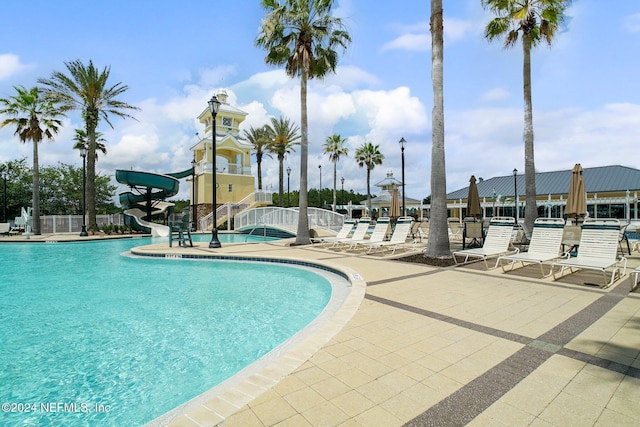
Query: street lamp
<point>193,193</point>
<point>320,192</point>
<point>83,154</point>
<point>402,143</point>
<point>342,194</point>
<point>515,191</point>
<point>288,181</point>
<point>5,170</point>
<point>214,106</point>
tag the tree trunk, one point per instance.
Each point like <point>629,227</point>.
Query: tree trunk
<point>438,243</point>
<point>531,209</point>
<point>259,162</point>
<point>92,124</point>
<point>280,181</point>
<point>302,235</point>
<point>335,178</point>
<point>369,190</point>
<point>35,214</point>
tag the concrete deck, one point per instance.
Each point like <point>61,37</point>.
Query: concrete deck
<point>446,346</point>
<point>424,346</point>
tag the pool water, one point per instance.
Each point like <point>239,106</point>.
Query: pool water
<point>91,337</point>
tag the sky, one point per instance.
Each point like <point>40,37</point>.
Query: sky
<point>174,56</point>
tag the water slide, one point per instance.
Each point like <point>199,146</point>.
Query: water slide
<point>145,201</point>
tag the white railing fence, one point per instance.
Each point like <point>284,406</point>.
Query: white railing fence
<point>287,218</point>
<point>231,209</point>
<point>59,224</point>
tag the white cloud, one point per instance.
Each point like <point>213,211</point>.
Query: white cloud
<point>632,23</point>
<point>496,94</point>
<point>10,65</point>
<point>412,42</point>
<point>417,37</point>
<point>456,29</point>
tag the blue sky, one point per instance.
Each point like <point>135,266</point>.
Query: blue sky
<point>175,55</point>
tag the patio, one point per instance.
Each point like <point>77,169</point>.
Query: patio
<point>445,346</point>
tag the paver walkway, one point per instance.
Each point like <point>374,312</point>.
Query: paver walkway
<point>427,346</point>
<point>454,346</point>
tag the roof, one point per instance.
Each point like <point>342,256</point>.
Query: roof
<point>602,179</point>
<point>389,181</point>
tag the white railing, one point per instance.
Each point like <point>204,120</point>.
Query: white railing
<point>231,209</point>
<point>58,224</point>
<point>287,218</point>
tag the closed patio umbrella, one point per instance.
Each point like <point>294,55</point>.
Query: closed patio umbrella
<point>577,197</point>
<point>394,210</point>
<point>473,200</point>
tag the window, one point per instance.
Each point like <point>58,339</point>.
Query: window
<point>230,188</point>
<point>226,121</point>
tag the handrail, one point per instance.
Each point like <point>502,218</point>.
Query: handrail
<point>229,209</point>
<point>287,218</point>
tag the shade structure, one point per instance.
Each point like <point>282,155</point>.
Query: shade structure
<point>394,210</point>
<point>577,197</point>
<point>473,200</point>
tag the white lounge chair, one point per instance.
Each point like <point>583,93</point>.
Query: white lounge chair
<point>544,245</point>
<point>358,234</point>
<point>4,228</point>
<point>398,238</point>
<point>343,233</point>
<point>496,242</point>
<point>597,250</point>
<point>634,278</point>
<point>377,235</point>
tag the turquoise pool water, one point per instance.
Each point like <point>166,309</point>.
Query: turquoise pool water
<point>91,337</point>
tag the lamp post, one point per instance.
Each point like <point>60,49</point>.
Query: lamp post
<point>342,192</point>
<point>288,181</point>
<point>402,143</point>
<point>214,106</point>
<point>515,191</point>
<point>5,169</point>
<point>83,154</point>
<point>320,192</point>
<point>193,193</point>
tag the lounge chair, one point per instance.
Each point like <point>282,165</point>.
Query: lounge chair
<point>377,235</point>
<point>343,233</point>
<point>634,278</point>
<point>4,228</point>
<point>544,245</point>
<point>398,238</point>
<point>597,250</point>
<point>358,234</point>
<point>416,231</point>
<point>632,234</point>
<point>496,242</point>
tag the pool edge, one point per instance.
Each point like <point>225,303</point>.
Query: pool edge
<point>212,407</point>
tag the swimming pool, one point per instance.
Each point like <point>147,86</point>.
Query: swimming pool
<point>90,337</point>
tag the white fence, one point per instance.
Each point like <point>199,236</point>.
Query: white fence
<point>287,218</point>
<point>59,224</point>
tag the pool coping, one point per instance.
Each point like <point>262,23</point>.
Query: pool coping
<point>216,404</point>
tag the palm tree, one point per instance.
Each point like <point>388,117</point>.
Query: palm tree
<point>284,136</point>
<point>537,20</point>
<point>85,89</point>
<point>369,155</point>
<point>334,147</point>
<point>438,244</point>
<point>35,117</point>
<point>303,36</point>
<point>260,140</point>
<point>81,142</point>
